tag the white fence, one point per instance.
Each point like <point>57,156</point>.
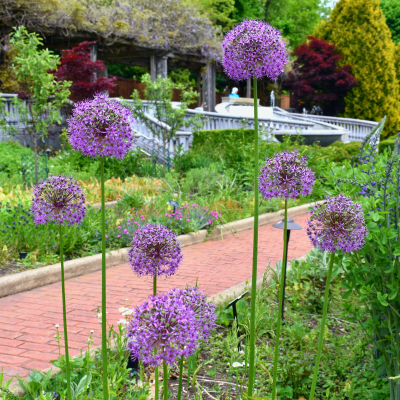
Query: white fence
<point>351,129</point>
<point>358,128</point>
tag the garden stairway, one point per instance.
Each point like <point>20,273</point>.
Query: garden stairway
<point>28,319</point>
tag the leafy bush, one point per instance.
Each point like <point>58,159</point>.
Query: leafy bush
<point>387,143</point>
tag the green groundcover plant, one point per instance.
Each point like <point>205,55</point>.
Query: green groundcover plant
<point>220,366</point>
<point>373,274</point>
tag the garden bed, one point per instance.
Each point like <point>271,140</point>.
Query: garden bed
<point>16,282</point>
<point>347,364</point>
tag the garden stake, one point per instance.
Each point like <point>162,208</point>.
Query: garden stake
<point>103,285</point>
<point>65,317</point>
<point>322,329</point>
<point>255,249</point>
<point>180,379</point>
<point>290,227</point>
<point>279,322</point>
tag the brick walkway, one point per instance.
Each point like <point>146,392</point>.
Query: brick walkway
<point>27,320</point>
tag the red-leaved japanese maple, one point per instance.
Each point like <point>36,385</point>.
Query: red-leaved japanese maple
<point>318,79</point>
<point>77,67</point>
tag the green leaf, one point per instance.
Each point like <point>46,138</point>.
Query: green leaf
<point>392,295</point>
<point>382,299</point>
<point>346,295</point>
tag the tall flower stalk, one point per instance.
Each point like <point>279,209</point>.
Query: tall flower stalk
<point>285,175</point>
<point>254,49</point>
<point>60,200</point>
<point>336,225</point>
<point>101,128</point>
<point>155,251</point>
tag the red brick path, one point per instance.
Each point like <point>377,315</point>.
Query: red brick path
<point>27,320</point>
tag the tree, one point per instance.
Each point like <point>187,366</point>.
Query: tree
<point>43,96</point>
<point>391,11</point>
<point>169,119</point>
<point>360,33</point>
<point>220,12</point>
<point>295,19</point>
<point>77,68</point>
<point>317,79</point>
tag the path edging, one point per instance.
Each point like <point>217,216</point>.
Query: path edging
<point>28,280</point>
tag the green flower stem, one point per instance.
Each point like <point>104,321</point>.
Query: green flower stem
<point>180,379</point>
<point>255,249</point>
<point>103,286</point>
<point>165,381</point>
<point>322,329</point>
<point>65,316</point>
<point>279,321</point>
<point>156,383</point>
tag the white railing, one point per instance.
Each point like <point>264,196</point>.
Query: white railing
<point>349,129</point>
<point>358,128</point>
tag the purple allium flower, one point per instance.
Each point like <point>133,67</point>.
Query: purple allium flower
<point>253,49</point>
<point>100,128</point>
<point>286,175</point>
<point>58,199</point>
<point>155,251</point>
<point>165,324</point>
<point>337,224</point>
<point>204,311</point>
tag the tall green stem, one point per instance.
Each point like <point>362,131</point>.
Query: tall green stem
<point>156,382</point>
<point>279,320</point>
<point>255,250</point>
<point>180,379</point>
<point>322,329</point>
<point>103,286</point>
<point>165,378</point>
<point>65,316</point>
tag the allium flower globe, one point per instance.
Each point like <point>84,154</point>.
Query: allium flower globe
<point>100,128</point>
<point>286,175</point>
<point>338,224</point>
<point>165,324</point>
<point>204,310</point>
<point>58,199</point>
<point>155,251</point>
<point>253,49</point>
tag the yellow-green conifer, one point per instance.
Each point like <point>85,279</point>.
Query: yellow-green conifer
<point>359,30</point>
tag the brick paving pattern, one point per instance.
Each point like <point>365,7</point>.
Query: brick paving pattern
<point>27,320</point>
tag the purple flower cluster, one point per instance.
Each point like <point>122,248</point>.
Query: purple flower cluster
<point>200,216</point>
<point>165,324</point>
<point>253,49</point>
<point>101,128</point>
<point>338,224</point>
<point>204,310</point>
<point>58,199</point>
<point>155,251</point>
<point>286,175</point>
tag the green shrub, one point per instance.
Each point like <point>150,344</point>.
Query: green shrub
<point>385,144</point>
<point>11,157</point>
